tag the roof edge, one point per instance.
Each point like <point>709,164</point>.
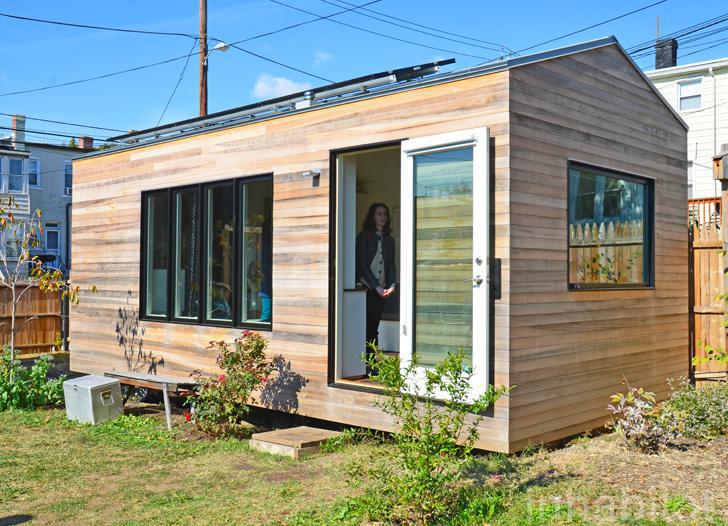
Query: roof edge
<point>442,78</point>
<point>652,85</point>
<point>674,71</point>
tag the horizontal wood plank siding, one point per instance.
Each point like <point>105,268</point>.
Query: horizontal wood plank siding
<point>570,350</point>
<point>106,240</point>
<point>565,351</point>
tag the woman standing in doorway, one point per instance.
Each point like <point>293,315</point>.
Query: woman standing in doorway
<point>375,265</point>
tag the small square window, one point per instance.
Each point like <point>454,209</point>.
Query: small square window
<point>610,229</point>
<point>689,94</point>
<point>34,173</point>
<point>15,176</point>
<point>68,178</point>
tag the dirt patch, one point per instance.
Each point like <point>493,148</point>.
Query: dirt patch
<point>605,481</point>
<point>298,475</point>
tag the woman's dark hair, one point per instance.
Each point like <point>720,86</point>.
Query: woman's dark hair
<point>369,225</point>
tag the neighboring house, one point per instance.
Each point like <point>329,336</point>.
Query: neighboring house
<point>699,92</point>
<point>539,226</point>
<point>40,176</point>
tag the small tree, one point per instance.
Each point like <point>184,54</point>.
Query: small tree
<point>20,271</point>
<point>424,479</point>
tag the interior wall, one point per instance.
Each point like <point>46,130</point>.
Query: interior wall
<point>378,181</point>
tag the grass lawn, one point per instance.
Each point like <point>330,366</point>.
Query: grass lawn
<point>132,472</point>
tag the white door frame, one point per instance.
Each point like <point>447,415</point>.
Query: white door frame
<point>479,140</point>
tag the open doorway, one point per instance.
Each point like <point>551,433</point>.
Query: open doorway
<point>437,189</point>
<point>364,177</point>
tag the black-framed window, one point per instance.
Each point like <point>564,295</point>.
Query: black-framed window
<point>207,253</point>
<point>610,228</point>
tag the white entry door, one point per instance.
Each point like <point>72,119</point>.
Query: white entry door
<point>444,262</point>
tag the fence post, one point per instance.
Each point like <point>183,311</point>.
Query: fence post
<point>720,173</point>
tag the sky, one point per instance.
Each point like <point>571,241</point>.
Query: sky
<point>35,55</point>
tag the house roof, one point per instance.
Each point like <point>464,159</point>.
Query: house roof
<point>332,95</point>
<point>687,69</point>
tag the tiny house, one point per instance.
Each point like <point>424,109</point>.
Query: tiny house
<point>537,212</point>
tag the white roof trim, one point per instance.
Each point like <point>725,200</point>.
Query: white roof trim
<point>687,68</point>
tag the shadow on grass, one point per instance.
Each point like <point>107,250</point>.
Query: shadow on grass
<point>494,467</point>
<point>12,520</point>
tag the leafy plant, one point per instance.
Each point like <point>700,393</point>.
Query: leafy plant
<point>27,388</point>
<point>641,421</point>
<point>18,237</point>
<point>678,504</point>
<point>712,354</point>
<point>423,479</point>
<point>703,412</point>
<point>220,403</point>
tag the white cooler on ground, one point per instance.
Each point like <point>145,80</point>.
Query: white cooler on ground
<point>92,399</point>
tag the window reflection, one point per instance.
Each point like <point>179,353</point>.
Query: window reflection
<point>256,251</point>
<point>220,238</point>
<point>157,254</point>
<point>609,229</point>
<point>187,241</point>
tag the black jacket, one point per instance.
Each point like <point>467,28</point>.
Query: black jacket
<point>366,249</point>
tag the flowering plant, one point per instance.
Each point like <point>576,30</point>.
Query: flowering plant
<point>220,402</point>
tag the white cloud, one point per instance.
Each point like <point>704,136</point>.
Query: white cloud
<point>267,86</point>
<point>321,57</point>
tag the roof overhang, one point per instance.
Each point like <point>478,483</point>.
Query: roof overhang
<point>14,153</point>
<point>202,125</point>
<point>687,69</point>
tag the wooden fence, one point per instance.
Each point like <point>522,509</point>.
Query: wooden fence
<point>38,323</point>
<point>707,310</point>
<point>608,252</point>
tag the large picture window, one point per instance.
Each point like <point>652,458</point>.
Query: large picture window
<point>207,253</point>
<point>610,229</point>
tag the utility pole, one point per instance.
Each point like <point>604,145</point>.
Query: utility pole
<point>203,58</point>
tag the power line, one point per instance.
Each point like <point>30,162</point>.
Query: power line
<point>66,123</point>
<point>646,52</point>
<point>146,66</point>
<point>704,43</point>
<point>358,12</point>
<point>361,8</point>
<point>299,24</point>
<point>179,80</point>
<point>680,32</point>
<point>234,44</point>
<point>699,35</point>
<point>102,28</point>
<point>252,53</point>
<point>382,34</point>
<point>591,26</point>
<point>106,75</point>
<point>53,134</point>
<point>703,49</point>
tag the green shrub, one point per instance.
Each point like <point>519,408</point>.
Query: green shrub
<point>644,425</point>
<point>28,388</point>
<point>423,478</point>
<point>220,403</point>
<point>703,412</point>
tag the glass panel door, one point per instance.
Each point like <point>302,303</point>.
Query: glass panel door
<point>443,214</point>
<point>444,278</point>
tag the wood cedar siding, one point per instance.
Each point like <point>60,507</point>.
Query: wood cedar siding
<point>570,350</point>
<point>106,234</point>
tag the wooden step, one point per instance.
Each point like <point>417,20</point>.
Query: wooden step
<point>295,442</point>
